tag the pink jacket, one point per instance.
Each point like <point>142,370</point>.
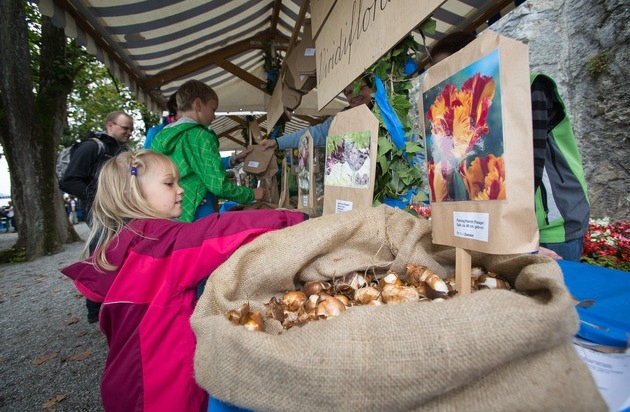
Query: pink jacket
<point>148,301</point>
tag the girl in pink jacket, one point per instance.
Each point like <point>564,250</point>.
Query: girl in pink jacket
<point>145,267</point>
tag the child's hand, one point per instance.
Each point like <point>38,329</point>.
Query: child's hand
<point>268,144</point>
<point>259,193</point>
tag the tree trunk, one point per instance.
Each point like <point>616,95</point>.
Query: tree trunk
<point>30,152</point>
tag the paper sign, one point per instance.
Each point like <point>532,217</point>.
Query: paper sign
<point>342,206</point>
<point>320,9</point>
<point>611,372</point>
<point>350,165</point>
<point>275,110</point>
<point>475,110</point>
<point>356,34</point>
<point>253,164</point>
<point>471,225</point>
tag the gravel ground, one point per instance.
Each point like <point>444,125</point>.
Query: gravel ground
<point>50,358</point>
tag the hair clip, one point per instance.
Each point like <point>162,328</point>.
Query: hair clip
<point>134,171</point>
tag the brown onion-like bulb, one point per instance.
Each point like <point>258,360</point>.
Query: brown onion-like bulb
<point>399,294</point>
<point>294,300</point>
<point>390,279</point>
<point>366,294</point>
<point>315,288</point>
<point>255,322</point>
<point>329,307</point>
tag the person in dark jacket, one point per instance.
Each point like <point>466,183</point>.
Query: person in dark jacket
<point>80,177</point>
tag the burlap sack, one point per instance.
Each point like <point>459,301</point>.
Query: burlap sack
<point>491,350</point>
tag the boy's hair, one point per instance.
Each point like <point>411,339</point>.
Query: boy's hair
<point>452,43</point>
<point>171,104</point>
<point>119,199</point>
<point>192,89</point>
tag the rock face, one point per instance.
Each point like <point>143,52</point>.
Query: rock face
<point>584,46</point>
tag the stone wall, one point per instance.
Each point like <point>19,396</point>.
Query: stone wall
<point>584,45</point>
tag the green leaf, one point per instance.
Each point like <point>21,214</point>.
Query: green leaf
<point>384,145</point>
<point>429,26</point>
<point>413,147</point>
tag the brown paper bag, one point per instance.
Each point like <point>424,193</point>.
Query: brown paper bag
<point>476,108</point>
<point>258,160</point>
<point>350,170</point>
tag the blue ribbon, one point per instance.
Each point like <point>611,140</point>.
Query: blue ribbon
<point>392,123</point>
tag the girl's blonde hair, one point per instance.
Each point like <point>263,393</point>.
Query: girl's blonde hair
<point>119,199</point>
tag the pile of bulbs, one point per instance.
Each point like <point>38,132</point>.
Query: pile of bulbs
<point>324,300</point>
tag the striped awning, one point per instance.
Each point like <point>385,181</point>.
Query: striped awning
<point>154,46</point>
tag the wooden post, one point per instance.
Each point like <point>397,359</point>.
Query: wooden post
<point>462,271</point>
<point>284,196</point>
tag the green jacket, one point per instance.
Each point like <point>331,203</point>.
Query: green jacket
<point>562,206</point>
<point>195,150</point>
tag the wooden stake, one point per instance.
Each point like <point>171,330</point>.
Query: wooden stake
<point>462,271</point>
<point>284,196</point>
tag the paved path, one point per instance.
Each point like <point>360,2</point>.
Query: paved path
<point>50,357</point>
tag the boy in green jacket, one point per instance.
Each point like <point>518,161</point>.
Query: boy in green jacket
<point>194,148</point>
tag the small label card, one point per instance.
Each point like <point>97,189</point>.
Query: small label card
<point>471,225</point>
<point>342,206</point>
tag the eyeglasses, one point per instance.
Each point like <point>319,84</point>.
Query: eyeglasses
<point>125,128</point>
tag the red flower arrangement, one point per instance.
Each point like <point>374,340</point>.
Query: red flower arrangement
<point>607,244</point>
<point>421,210</point>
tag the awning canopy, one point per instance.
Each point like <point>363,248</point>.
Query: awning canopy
<point>155,46</point>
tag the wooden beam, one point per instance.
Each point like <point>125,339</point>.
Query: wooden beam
<point>275,15</point>
<point>256,42</point>
<point>232,138</point>
<point>243,74</point>
<point>299,22</point>
<point>238,120</point>
<point>483,17</point>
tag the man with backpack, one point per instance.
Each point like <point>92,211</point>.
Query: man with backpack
<point>86,159</point>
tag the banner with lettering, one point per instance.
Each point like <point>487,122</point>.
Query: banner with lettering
<point>357,33</point>
<point>476,112</point>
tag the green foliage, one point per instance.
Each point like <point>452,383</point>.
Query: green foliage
<point>607,262</point>
<point>96,92</point>
<point>395,173</point>
<point>597,64</point>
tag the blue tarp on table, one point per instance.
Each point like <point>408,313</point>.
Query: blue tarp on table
<point>607,321</point>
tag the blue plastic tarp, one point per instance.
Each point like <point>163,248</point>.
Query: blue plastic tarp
<point>607,321</point>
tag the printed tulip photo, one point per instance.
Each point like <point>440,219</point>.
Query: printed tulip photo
<point>348,160</point>
<point>465,135</point>
<point>303,165</point>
